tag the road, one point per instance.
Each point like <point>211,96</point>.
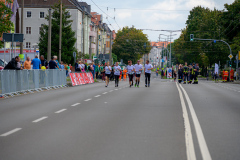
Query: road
<point>167,121</point>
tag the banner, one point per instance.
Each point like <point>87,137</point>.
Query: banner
<point>90,76</point>
<point>169,73</point>
<point>73,79</point>
<point>81,78</point>
<point>77,75</point>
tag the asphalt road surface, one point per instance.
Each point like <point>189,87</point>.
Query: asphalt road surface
<point>166,121</point>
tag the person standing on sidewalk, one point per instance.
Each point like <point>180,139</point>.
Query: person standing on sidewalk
<point>102,70</point>
<point>36,63</point>
<point>147,71</point>
<point>117,70</point>
<point>27,64</point>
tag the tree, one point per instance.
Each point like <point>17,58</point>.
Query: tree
<point>129,44</point>
<point>68,36</point>
<point>114,56</point>
<point>5,16</point>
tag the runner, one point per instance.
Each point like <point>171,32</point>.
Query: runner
<point>117,70</point>
<point>147,71</point>
<point>108,70</point>
<point>130,70</point>
<point>138,70</point>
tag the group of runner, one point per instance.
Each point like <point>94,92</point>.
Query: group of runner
<point>132,71</point>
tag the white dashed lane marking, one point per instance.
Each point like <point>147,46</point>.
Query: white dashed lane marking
<point>98,96</point>
<point>105,92</point>
<point>116,89</point>
<point>11,132</point>
<point>62,110</point>
<point>75,104</point>
<point>88,100</point>
<point>40,119</point>
<point>110,90</point>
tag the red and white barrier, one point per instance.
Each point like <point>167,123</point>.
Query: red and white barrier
<point>81,78</point>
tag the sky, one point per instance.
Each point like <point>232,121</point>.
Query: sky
<point>150,14</point>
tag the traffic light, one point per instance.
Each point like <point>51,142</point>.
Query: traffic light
<point>191,37</point>
<point>230,63</point>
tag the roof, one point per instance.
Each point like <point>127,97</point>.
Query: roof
<point>159,44</point>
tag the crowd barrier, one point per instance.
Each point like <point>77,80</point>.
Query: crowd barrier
<point>22,81</point>
<point>81,78</point>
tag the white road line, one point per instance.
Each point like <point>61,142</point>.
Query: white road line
<point>120,88</point>
<point>238,91</point>
<point>110,90</point>
<point>116,89</point>
<point>62,110</point>
<point>10,132</point>
<point>75,104</point>
<point>188,133</point>
<point>98,96</point>
<point>201,140</point>
<point>88,100</point>
<point>40,119</point>
<point>105,92</point>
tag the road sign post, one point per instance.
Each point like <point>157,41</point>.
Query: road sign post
<point>74,55</point>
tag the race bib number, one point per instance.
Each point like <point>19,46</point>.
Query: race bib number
<point>108,72</point>
<point>138,72</point>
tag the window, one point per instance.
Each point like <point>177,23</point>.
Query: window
<point>29,14</point>
<point>41,14</point>
<point>28,30</point>
<point>28,44</point>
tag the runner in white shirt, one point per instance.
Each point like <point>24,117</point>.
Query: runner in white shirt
<point>117,70</point>
<point>147,71</point>
<point>130,71</point>
<point>138,70</point>
<point>108,70</point>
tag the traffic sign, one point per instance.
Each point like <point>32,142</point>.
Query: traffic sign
<point>230,56</point>
<point>94,57</point>
<point>37,50</point>
<point>74,54</point>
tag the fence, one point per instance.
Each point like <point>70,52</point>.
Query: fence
<point>21,81</point>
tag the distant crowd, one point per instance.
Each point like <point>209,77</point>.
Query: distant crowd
<point>37,63</point>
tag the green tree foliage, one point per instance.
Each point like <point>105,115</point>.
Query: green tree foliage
<point>114,56</point>
<point>209,24</point>
<point>129,44</point>
<point>5,16</point>
<point>68,36</point>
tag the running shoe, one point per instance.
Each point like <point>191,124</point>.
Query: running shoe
<point>135,84</point>
<point>138,86</point>
<point>145,85</point>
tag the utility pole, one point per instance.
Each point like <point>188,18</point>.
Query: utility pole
<point>110,54</point>
<point>21,44</point>
<point>170,55</point>
<point>49,35</point>
<point>60,35</point>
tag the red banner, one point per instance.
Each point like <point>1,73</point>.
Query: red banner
<point>81,78</point>
<point>78,78</point>
<point>90,76</point>
<point>73,79</point>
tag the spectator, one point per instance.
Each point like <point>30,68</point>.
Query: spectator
<point>53,64</point>
<point>62,65</point>
<point>55,59</point>
<point>43,61</point>
<point>36,63</point>
<point>13,64</point>
<point>97,70</point>
<point>77,67</point>
<point>93,69</point>
<point>27,64</point>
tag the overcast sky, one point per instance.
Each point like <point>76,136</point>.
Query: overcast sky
<point>151,14</point>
